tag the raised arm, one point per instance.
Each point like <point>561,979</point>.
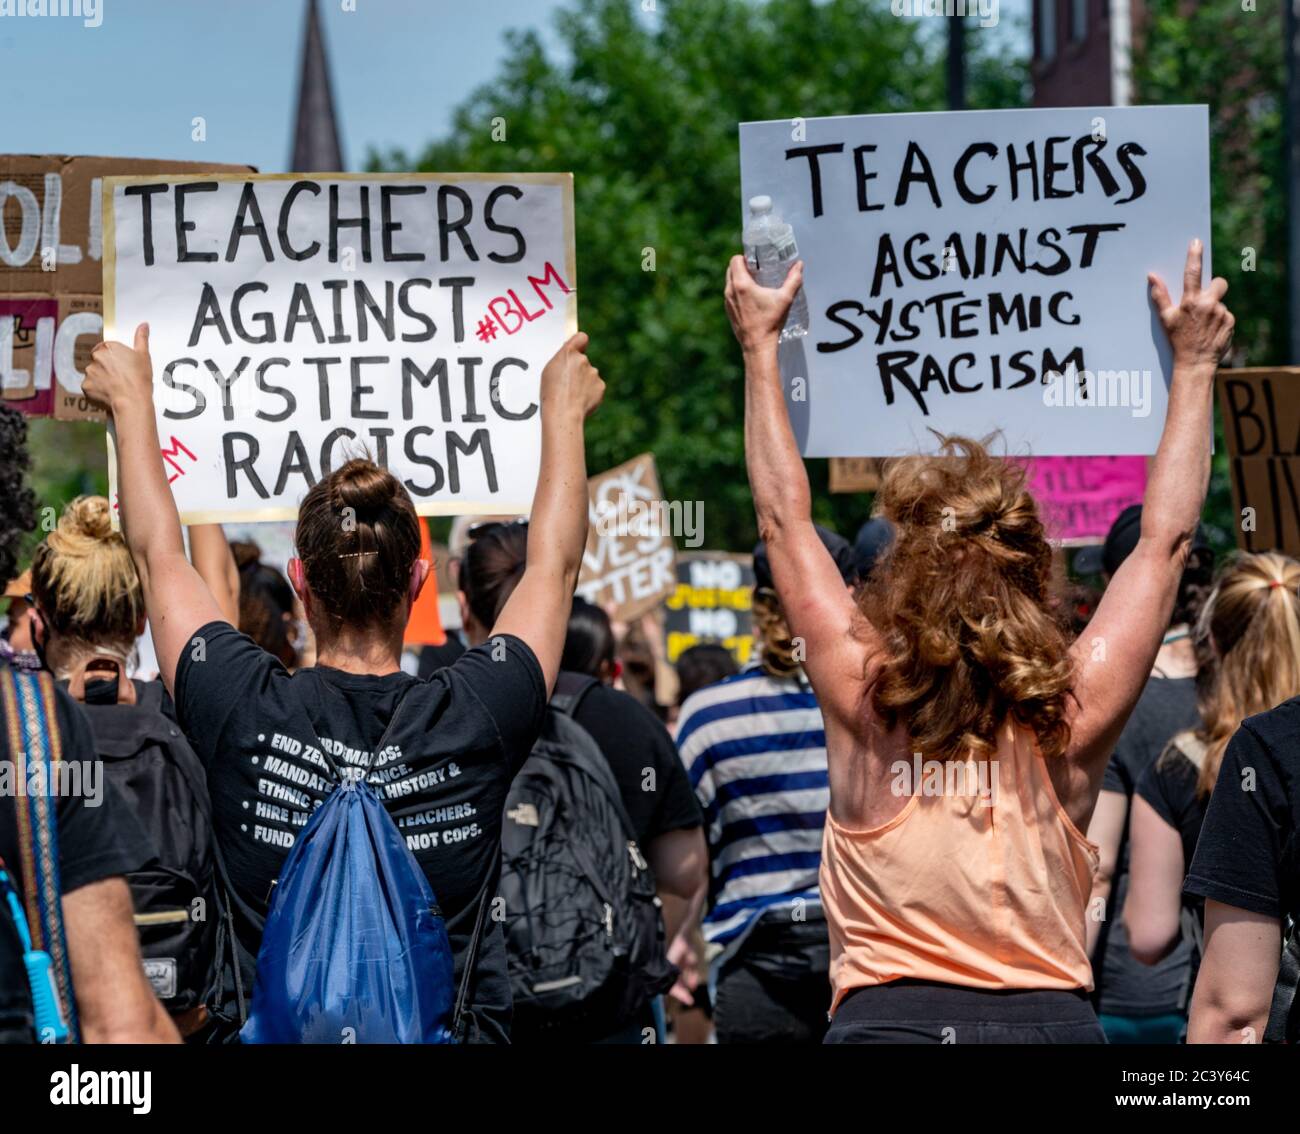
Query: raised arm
<point>817,606</point>
<point>538,610</point>
<point>1113,658</point>
<point>213,560</point>
<point>176,598</point>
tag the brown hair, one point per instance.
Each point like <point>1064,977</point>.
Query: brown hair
<point>83,579</point>
<point>492,566</point>
<point>357,537</point>
<point>266,603</point>
<point>965,608</point>
<point>1252,620</point>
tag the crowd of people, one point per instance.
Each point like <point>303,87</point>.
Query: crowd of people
<point>946,800</point>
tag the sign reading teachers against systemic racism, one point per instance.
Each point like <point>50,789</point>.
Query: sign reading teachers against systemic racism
<point>628,564</point>
<point>296,322</point>
<point>1261,424</point>
<point>983,270</point>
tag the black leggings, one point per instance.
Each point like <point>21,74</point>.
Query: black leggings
<point>915,1011</point>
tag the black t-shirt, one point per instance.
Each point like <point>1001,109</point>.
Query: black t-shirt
<point>1248,855</point>
<point>1125,986</point>
<point>443,774</point>
<point>98,838</point>
<point>1169,786</point>
<point>434,658</point>
<point>651,779</point>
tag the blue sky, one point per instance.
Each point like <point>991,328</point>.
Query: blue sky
<point>131,86</point>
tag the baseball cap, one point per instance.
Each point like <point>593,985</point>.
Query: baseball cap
<point>840,549</point>
<point>874,538</point>
<point>1119,544</point>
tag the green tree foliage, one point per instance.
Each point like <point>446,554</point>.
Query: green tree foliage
<point>643,108</point>
<point>1218,52</point>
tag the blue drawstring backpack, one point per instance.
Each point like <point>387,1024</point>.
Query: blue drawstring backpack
<point>355,949</point>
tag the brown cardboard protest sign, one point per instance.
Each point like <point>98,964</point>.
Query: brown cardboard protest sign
<point>629,565</point>
<point>855,474</point>
<point>1261,423</point>
<point>51,273</point>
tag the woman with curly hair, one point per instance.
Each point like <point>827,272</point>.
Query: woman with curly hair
<point>966,738</point>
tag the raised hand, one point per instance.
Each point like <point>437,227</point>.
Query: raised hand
<point>1199,326</point>
<point>757,313</point>
<point>118,374</point>
<point>570,381</point>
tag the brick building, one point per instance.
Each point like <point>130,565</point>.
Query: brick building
<point>1082,51</point>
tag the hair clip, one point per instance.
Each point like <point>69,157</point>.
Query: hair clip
<point>357,554</point>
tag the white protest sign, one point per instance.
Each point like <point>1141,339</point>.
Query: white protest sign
<point>296,322</point>
<point>983,270</point>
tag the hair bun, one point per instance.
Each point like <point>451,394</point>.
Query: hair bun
<point>364,487</point>
<point>88,517</point>
<point>246,552</point>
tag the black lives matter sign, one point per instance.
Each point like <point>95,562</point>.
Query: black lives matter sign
<point>296,322</point>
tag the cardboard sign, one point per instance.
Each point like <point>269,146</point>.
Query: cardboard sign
<point>51,274</point>
<point>1079,497</point>
<point>855,474</point>
<point>298,321</point>
<point>629,560</point>
<point>984,270</point>
<point>1261,423</point>
<point>712,603</point>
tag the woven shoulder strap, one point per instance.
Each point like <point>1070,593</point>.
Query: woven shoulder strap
<point>34,744</point>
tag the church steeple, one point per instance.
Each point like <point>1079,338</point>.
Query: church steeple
<point>316,145</point>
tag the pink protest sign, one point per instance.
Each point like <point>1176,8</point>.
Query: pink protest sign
<point>1081,496</point>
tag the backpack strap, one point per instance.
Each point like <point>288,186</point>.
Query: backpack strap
<point>34,742</point>
<point>402,699</point>
<point>1284,991</point>
<point>459,1014</point>
<point>570,690</point>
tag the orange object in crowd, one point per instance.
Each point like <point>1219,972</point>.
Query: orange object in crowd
<point>424,627</point>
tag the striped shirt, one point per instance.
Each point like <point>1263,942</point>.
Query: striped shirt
<point>755,749</point>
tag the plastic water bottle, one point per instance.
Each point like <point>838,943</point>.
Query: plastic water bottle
<point>770,252</point>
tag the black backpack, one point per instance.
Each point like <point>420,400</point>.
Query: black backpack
<point>584,935</point>
<point>177,915</point>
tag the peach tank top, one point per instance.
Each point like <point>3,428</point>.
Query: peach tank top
<point>979,889</point>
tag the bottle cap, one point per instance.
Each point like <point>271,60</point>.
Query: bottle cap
<point>760,205</point>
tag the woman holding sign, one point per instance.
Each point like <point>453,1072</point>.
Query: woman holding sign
<point>966,738</point>
<point>271,742</point>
